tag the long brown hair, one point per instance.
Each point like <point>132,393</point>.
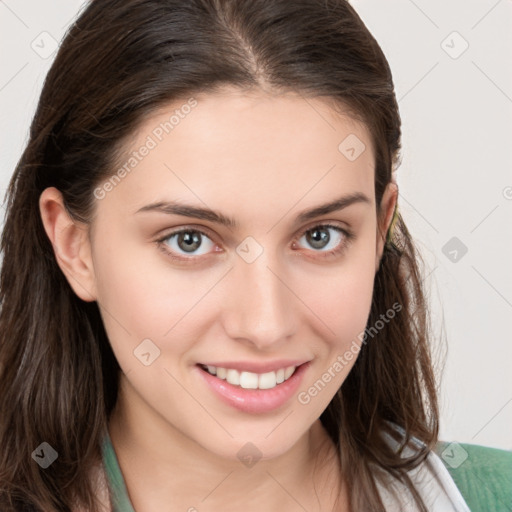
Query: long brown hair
<point>119,62</point>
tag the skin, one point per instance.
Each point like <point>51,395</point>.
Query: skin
<point>261,159</point>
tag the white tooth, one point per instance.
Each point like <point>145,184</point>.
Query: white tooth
<point>267,380</point>
<point>212,370</point>
<point>221,373</point>
<point>248,380</point>
<point>280,376</point>
<point>288,372</point>
<point>233,377</point>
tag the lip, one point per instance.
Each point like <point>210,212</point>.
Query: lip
<point>271,366</point>
<point>254,401</point>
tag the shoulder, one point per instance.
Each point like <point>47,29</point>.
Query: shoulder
<point>482,474</point>
<point>430,479</point>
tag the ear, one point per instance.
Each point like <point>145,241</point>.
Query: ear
<point>385,216</point>
<point>70,244</point>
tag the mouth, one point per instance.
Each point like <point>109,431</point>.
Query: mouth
<point>250,392</point>
<point>251,380</point>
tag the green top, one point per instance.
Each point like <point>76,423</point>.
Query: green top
<point>119,495</point>
<point>482,475</point>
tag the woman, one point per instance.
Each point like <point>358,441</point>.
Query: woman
<point>206,283</point>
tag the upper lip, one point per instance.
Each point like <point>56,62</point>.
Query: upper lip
<point>255,367</point>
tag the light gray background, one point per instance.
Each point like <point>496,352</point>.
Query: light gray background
<point>455,179</point>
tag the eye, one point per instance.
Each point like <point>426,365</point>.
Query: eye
<point>186,242</point>
<point>322,241</point>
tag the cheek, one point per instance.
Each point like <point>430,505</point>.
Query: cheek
<point>341,302</point>
<point>140,297</point>
<point>341,296</point>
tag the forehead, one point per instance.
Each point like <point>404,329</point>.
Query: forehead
<point>252,148</point>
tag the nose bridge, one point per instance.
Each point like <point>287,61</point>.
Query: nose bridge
<point>261,306</point>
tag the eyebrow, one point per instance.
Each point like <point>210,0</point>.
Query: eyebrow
<point>175,208</point>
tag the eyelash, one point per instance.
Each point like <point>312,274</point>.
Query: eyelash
<point>343,245</point>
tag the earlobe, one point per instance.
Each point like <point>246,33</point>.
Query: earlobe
<point>70,243</point>
<point>387,209</point>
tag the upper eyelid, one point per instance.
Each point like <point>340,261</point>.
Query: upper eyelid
<point>206,231</point>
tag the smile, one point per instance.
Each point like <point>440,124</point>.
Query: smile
<point>253,392</point>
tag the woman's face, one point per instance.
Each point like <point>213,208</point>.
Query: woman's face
<point>276,287</point>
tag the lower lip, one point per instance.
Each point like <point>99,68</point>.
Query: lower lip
<point>254,400</point>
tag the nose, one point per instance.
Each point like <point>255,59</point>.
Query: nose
<point>260,309</point>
